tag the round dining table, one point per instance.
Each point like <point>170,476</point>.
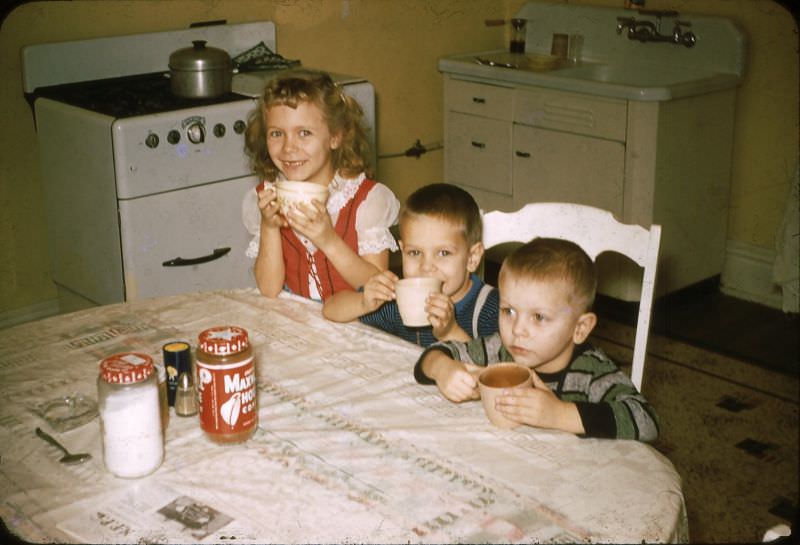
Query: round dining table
<point>348,448</point>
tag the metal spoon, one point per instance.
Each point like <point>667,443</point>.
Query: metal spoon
<point>67,458</point>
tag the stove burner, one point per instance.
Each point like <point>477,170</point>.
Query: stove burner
<point>128,96</point>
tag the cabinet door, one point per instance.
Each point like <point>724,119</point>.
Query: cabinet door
<point>564,167</point>
<point>478,152</point>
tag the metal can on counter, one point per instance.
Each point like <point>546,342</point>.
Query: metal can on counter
<point>226,384</point>
<point>130,415</point>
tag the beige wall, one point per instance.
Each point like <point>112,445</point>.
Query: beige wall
<point>395,44</point>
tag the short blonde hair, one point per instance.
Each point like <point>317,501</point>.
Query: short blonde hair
<point>552,259</point>
<point>341,112</point>
<point>449,203</point>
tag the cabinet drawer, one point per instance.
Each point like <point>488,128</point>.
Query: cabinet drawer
<point>478,99</point>
<point>571,112</point>
<point>478,152</point>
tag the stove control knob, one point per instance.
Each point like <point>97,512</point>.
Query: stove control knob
<point>196,133</point>
<point>219,130</point>
<point>151,141</point>
<point>239,127</point>
<point>173,136</point>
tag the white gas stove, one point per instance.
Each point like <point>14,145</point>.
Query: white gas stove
<point>142,189</point>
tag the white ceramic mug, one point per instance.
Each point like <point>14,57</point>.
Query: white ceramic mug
<point>496,378</point>
<point>411,295</point>
<point>290,193</point>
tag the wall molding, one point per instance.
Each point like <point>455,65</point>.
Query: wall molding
<point>747,274</point>
<point>37,311</point>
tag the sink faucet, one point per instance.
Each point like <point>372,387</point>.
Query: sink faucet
<point>649,31</point>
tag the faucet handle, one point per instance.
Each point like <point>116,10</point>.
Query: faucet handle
<point>623,22</point>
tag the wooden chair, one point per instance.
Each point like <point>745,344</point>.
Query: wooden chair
<point>596,231</point>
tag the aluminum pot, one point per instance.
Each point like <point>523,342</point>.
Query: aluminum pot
<point>200,71</point>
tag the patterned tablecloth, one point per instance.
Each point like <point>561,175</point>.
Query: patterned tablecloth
<point>349,448</point>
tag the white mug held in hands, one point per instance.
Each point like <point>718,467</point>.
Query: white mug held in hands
<point>411,295</point>
<point>289,194</point>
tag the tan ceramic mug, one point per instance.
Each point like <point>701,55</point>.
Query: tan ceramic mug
<point>411,295</point>
<point>496,378</point>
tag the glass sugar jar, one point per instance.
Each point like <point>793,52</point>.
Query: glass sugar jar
<point>130,415</point>
<point>226,384</point>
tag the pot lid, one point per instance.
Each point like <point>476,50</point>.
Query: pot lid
<point>199,58</point>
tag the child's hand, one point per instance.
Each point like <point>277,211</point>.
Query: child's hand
<point>539,406</point>
<point>441,313</point>
<point>268,205</point>
<point>311,220</point>
<point>378,289</point>
<point>458,381</point>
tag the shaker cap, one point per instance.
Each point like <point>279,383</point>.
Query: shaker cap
<point>224,340</point>
<point>126,368</point>
<point>178,354</point>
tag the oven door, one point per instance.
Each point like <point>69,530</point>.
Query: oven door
<point>187,240</point>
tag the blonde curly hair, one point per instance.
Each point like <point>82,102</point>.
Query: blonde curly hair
<point>342,113</point>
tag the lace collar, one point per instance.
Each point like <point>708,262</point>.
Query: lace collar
<point>341,191</point>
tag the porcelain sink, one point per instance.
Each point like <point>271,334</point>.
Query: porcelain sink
<point>612,65</point>
<point>649,82</point>
<point>637,76</point>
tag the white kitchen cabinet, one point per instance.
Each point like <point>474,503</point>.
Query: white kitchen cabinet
<point>552,165</point>
<point>665,162</point>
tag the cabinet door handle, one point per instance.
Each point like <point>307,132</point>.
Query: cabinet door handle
<point>523,154</point>
<point>478,144</point>
<point>478,100</point>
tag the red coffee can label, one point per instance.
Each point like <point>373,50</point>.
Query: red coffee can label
<point>227,396</point>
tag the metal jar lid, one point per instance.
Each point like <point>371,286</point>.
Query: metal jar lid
<point>224,340</point>
<point>126,368</point>
<point>200,58</point>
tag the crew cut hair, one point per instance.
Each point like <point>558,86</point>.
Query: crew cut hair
<point>449,203</point>
<point>553,259</point>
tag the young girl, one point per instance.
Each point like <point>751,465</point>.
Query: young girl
<point>307,129</point>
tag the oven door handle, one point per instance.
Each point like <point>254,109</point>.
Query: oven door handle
<point>181,262</point>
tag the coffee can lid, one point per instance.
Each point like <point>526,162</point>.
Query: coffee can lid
<point>126,368</point>
<point>224,340</point>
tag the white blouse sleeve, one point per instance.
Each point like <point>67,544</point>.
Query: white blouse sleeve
<point>376,214</point>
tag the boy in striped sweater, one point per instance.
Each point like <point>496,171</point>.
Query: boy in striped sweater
<point>547,288</point>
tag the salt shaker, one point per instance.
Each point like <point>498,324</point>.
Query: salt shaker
<point>130,415</point>
<point>185,397</point>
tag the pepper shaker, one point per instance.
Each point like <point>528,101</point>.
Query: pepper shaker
<point>517,44</point>
<point>185,396</point>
